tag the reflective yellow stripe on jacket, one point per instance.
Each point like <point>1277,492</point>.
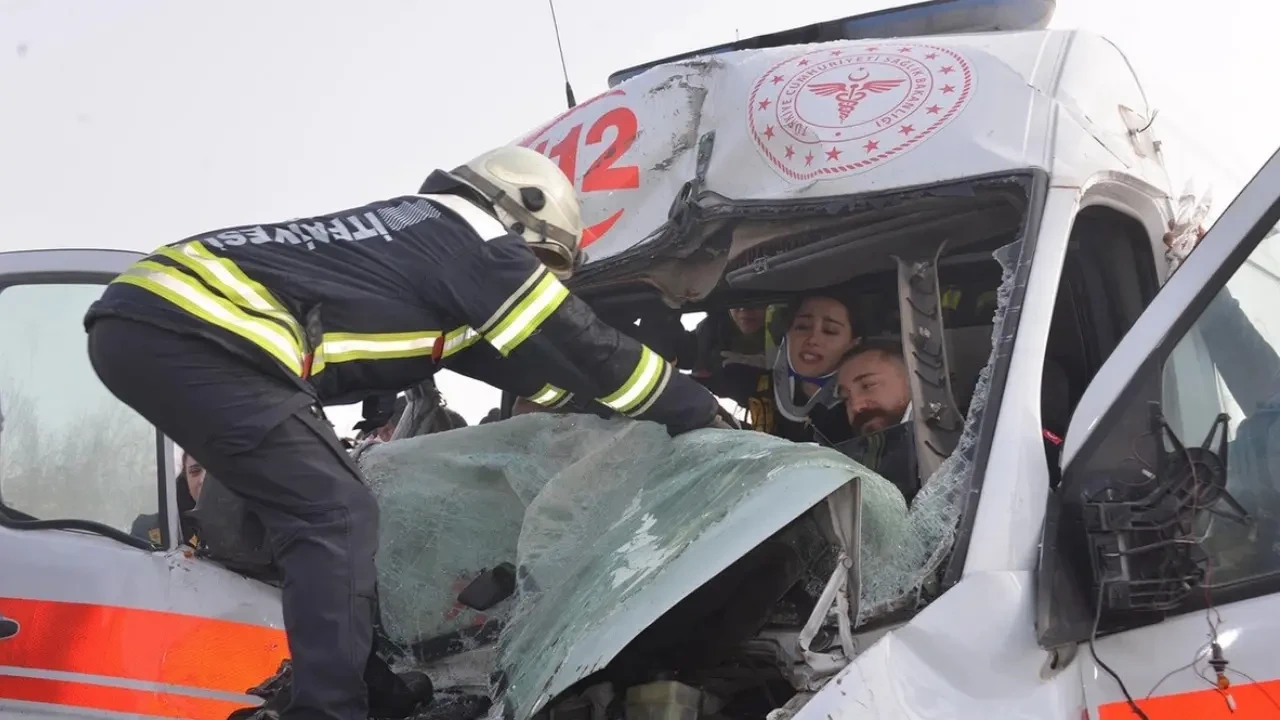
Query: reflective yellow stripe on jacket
<point>337,347</point>
<point>551,396</point>
<point>524,311</point>
<point>247,309</point>
<point>643,387</point>
<point>223,275</point>
<point>187,293</point>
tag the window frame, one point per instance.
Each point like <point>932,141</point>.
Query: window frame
<point>952,568</point>
<point>607,295</point>
<point>1065,604</point>
<point>1087,255</point>
<point>86,266</point>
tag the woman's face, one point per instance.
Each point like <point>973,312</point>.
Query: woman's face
<point>195,476</point>
<point>819,336</point>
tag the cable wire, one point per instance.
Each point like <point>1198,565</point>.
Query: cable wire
<point>564,68</point>
<point>1257,685</point>
<point>1189,666</point>
<point>1097,618</point>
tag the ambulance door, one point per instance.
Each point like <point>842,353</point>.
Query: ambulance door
<point>101,608</point>
<point>1163,587</point>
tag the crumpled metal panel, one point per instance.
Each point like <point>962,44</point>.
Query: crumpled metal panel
<point>610,523</point>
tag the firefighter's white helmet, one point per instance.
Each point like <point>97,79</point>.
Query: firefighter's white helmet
<point>532,198</point>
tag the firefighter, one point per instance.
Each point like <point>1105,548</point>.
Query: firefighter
<point>229,342</point>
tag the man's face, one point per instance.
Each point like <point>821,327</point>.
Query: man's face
<point>748,320</point>
<point>195,476</point>
<point>875,390</point>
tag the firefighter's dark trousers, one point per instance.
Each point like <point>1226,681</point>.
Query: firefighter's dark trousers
<point>260,437</point>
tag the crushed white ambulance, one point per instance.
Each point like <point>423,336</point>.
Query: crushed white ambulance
<point>999,200</point>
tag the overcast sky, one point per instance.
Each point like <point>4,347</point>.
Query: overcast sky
<point>133,123</point>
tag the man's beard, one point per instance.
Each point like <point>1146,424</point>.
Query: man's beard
<point>859,421</point>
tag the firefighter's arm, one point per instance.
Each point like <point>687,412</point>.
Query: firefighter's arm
<point>528,316</point>
<point>482,362</point>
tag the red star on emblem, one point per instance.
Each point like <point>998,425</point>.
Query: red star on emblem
<point>837,53</point>
<point>777,79</point>
<point>833,154</point>
<point>904,49</point>
<point>768,131</point>
<point>948,89</point>
<point>790,153</point>
<point>871,145</point>
<point>934,109</point>
<point>873,48</point>
<point>947,69</point>
<point>808,159</point>
<point>907,130</point>
<point>803,62</point>
<point>931,56</point>
<point>764,104</point>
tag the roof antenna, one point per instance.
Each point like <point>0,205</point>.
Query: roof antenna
<point>568,89</point>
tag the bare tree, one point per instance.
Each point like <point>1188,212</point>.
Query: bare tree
<point>99,466</point>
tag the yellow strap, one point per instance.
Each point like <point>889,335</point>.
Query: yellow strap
<point>951,298</point>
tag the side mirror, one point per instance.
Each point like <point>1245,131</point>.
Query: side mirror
<point>1143,533</point>
<point>1122,535</point>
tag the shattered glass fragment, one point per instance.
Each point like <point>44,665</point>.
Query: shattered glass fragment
<point>898,578</point>
<point>608,522</point>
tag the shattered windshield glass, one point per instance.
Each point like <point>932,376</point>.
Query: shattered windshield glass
<point>609,522</point>
<point>898,579</point>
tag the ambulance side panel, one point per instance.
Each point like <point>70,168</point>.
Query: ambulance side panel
<point>1209,343</point>
<point>104,614</point>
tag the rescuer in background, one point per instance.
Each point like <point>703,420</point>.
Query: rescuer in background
<point>190,482</point>
<point>230,341</point>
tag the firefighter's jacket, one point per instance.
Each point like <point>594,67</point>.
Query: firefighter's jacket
<point>379,297</point>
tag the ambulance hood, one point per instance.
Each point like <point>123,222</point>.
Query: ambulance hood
<point>610,523</point>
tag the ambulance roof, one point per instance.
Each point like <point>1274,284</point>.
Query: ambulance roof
<point>836,119</point>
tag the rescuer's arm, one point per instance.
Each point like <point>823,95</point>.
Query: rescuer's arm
<point>546,388</point>
<point>529,317</point>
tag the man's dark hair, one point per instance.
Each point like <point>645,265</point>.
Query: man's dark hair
<point>890,346</point>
